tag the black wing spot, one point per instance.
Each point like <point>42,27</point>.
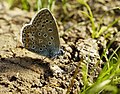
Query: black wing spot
<point>31,26</point>
<point>50,29</point>
<point>46,20</point>
<point>33,47</point>
<point>32,38</point>
<point>51,38</point>
<point>39,33</point>
<point>49,43</point>
<point>44,46</point>
<point>50,21</point>
<point>33,42</point>
<point>23,40</point>
<point>43,25</point>
<point>39,15</point>
<point>40,49</point>
<point>45,35</point>
<point>23,34</point>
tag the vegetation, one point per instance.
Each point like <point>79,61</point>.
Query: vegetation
<point>108,80</point>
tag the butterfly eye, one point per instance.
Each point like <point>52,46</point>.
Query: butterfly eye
<point>50,30</point>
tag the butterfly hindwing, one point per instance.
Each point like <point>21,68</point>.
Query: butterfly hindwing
<point>41,35</point>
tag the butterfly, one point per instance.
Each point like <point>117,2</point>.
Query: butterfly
<point>41,35</point>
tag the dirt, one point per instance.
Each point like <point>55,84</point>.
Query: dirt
<point>24,72</point>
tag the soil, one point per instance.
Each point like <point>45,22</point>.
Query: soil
<point>24,72</point>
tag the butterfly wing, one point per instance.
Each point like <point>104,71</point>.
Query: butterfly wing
<point>41,35</point>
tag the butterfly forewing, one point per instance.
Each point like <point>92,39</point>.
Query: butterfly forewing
<point>41,35</point>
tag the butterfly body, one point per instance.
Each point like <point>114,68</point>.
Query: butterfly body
<point>41,35</point>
